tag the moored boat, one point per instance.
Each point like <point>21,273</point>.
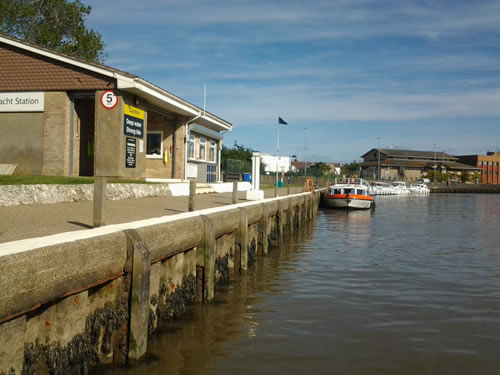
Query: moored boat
<point>399,188</point>
<point>419,189</point>
<point>351,193</point>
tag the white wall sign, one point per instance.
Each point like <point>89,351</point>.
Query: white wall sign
<point>22,102</point>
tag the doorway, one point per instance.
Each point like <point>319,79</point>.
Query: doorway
<point>85,111</point>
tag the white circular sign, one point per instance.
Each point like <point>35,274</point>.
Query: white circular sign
<point>109,99</point>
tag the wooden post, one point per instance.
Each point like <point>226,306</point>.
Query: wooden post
<point>291,218</point>
<point>205,258</point>
<point>242,238</point>
<point>139,263</point>
<point>192,195</point>
<point>264,229</point>
<point>281,226</point>
<point>235,192</point>
<point>99,201</point>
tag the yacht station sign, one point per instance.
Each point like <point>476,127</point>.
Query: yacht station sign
<point>21,102</point>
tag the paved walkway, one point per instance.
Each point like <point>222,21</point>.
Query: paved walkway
<point>36,220</point>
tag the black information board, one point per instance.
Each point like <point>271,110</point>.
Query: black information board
<point>130,152</point>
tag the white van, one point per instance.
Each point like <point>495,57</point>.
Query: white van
<point>423,180</point>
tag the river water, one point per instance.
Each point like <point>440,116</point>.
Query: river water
<point>410,288</point>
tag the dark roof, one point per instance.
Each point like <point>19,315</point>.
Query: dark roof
<point>411,153</point>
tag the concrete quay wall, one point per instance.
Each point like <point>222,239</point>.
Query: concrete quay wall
<point>76,300</point>
<point>464,188</point>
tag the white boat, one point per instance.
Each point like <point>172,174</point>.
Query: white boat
<point>381,188</point>
<point>419,189</point>
<point>399,188</point>
<point>352,193</point>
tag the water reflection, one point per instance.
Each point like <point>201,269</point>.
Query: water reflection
<point>410,288</point>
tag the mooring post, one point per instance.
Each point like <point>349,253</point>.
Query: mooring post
<point>205,257</point>
<point>99,200</point>
<point>264,229</point>
<point>235,192</point>
<point>291,217</point>
<point>300,213</point>
<point>281,212</point>
<point>192,195</point>
<point>139,264</point>
<point>242,239</point>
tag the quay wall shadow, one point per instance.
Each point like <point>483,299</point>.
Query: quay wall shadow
<point>75,300</point>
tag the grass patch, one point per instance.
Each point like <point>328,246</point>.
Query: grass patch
<point>58,180</point>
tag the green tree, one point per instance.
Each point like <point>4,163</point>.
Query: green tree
<point>465,176</point>
<point>242,153</point>
<point>319,169</point>
<point>350,169</point>
<point>55,24</point>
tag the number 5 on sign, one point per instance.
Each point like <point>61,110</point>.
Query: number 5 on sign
<point>109,99</point>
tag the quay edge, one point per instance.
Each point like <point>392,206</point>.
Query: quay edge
<point>92,297</point>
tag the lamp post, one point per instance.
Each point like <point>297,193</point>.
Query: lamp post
<point>305,152</point>
<point>434,166</point>
<point>378,161</point>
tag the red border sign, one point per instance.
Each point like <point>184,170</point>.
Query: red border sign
<point>109,100</point>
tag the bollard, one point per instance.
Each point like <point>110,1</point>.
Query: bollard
<point>205,259</point>
<point>99,200</point>
<point>242,239</point>
<point>139,263</point>
<point>235,191</point>
<point>192,195</point>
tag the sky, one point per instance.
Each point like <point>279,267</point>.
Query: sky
<point>346,75</point>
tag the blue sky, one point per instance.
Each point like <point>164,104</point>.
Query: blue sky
<point>412,73</point>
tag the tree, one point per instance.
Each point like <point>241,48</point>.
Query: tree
<point>55,24</point>
<point>319,169</point>
<point>242,153</point>
<point>350,169</point>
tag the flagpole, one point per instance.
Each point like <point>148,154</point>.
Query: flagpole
<point>277,160</point>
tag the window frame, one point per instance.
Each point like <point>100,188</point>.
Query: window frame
<point>154,156</point>
<point>191,147</point>
<point>202,143</point>
<point>212,146</point>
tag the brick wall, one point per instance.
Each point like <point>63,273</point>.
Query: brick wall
<point>56,134</point>
<point>180,132</point>
<point>156,168</point>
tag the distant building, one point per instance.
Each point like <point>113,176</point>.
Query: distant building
<point>409,165</point>
<point>272,162</point>
<point>299,166</point>
<point>487,164</point>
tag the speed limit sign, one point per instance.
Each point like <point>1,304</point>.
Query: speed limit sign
<point>109,99</point>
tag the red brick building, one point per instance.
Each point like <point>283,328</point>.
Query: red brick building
<point>487,163</point>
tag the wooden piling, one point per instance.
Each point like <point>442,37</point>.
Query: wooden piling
<point>242,239</point>
<point>192,195</point>
<point>139,263</point>
<point>205,257</point>
<point>264,229</point>
<point>235,192</point>
<point>99,201</point>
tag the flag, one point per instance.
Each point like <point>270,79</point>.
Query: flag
<point>281,121</point>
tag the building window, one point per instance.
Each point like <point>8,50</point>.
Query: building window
<point>191,147</point>
<point>154,145</point>
<point>212,151</point>
<point>203,149</point>
<point>479,163</point>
